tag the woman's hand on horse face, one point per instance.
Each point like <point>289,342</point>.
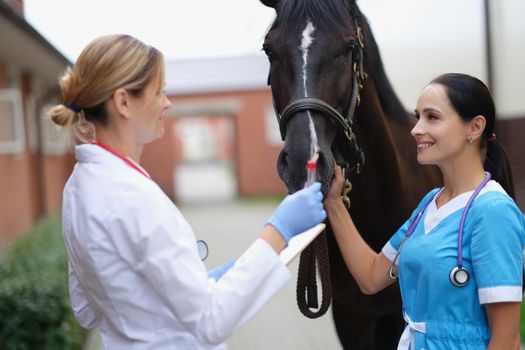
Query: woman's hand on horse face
<point>336,188</point>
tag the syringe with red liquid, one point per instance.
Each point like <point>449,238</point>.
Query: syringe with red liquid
<point>311,170</point>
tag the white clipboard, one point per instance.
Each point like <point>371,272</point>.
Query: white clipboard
<point>299,242</point>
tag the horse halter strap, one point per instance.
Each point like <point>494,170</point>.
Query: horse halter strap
<point>318,105</point>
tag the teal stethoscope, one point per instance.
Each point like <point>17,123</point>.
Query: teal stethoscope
<point>459,276</point>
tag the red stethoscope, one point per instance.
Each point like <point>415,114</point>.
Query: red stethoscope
<point>121,156</point>
<point>459,275</point>
<point>202,247</point>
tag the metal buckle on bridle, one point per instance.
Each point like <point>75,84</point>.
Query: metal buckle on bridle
<point>347,187</point>
<point>359,37</point>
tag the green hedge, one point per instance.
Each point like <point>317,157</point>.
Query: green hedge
<point>522,323</point>
<point>35,311</point>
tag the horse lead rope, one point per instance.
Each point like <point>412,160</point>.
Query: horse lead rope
<point>308,283</point>
<point>306,278</point>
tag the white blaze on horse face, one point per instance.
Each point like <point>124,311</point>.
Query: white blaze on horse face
<point>306,41</point>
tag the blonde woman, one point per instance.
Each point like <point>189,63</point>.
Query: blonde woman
<point>134,268</point>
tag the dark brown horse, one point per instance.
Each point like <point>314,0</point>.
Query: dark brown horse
<point>332,97</point>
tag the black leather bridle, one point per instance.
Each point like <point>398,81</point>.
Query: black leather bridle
<point>345,122</point>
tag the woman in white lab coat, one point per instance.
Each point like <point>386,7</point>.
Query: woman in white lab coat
<point>134,268</point>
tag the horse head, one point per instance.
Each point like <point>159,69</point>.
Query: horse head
<point>315,49</point>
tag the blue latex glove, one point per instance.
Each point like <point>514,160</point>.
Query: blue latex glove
<point>299,212</point>
<point>217,272</point>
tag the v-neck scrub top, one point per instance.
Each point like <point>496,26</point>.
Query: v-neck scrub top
<point>438,314</point>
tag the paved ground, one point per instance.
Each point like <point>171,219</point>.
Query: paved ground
<point>229,228</point>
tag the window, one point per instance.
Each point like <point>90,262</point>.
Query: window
<point>11,122</point>
<point>199,139</point>
<point>55,139</point>
<point>273,134</point>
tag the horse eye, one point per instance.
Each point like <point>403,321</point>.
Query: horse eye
<point>267,50</point>
<point>348,49</point>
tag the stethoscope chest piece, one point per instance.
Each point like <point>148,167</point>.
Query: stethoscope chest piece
<point>459,276</point>
<point>202,248</point>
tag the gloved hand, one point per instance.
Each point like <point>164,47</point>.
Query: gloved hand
<point>299,212</point>
<point>217,272</point>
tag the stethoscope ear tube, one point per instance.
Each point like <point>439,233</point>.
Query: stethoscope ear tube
<point>391,272</point>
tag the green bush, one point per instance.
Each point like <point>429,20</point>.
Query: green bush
<point>522,322</point>
<point>35,311</point>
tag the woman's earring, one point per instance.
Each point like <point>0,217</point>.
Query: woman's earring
<point>469,139</point>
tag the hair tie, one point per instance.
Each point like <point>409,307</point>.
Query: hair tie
<point>492,137</point>
<point>72,106</point>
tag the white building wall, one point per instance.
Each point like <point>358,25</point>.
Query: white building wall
<point>508,38</point>
<point>420,39</point>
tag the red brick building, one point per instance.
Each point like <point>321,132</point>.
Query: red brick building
<point>222,138</point>
<point>33,166</point>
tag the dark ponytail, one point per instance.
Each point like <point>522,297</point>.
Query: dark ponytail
<point>497,163</point>
<point>470,97</point>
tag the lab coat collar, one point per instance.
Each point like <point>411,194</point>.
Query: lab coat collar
<point>90,153</point>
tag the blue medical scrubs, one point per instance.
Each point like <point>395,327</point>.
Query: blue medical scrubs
<point>440,315</point>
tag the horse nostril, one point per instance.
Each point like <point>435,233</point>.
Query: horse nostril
<point>281,163</point>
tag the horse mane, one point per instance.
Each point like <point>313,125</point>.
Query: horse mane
<point>325,14</point>
<point>389,100</point>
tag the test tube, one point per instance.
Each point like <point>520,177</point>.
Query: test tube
<point>311,170</point>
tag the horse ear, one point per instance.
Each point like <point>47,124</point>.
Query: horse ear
<point>270,3</point>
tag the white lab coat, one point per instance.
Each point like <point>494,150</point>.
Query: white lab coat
<point>134,269</point>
